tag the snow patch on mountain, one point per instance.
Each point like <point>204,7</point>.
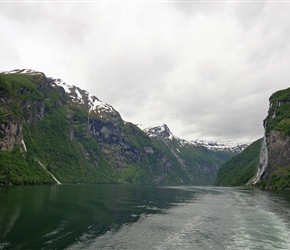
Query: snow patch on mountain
<point>221,145</point>
<point>76,94</point>
<point>61,83</point>
<point>80,96</point>
<point>164,132</point>
<point>159,131</point>
<point>23,71</point>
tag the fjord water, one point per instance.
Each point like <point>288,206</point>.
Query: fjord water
<point>143,217</point>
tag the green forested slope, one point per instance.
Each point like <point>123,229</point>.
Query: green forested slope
<point>241,168</point>
<point>45,130</point>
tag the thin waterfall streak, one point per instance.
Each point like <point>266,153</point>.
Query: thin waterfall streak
<point>24,146</point>
<point>57,181</point>
<point>263,162</point>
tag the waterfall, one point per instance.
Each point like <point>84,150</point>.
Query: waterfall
<point>263,162</point>
<point>24,146</point>
<point>57,181</point>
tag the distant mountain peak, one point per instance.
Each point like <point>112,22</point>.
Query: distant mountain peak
<point>221,145</point>
<point>163,132</point>
<point>159,131</point>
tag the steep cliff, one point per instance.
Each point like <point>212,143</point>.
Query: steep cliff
<point>274,169</point>
<point>51,132</point>
<point>266,162</point>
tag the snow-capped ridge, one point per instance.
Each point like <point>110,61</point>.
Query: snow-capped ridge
<point>83,97</point>
<point>221,145</point>
<point>159,131</point>
<point>164,132</point>
<point>78,96</point>
<point>24,71</point>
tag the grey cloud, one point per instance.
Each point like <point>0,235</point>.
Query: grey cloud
<point>205,69</point>
<point>197,8</point>
<point>130,82</point>
<point>249,13</point>
<point>30,13</point>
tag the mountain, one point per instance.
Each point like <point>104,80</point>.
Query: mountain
<point>266,162</point>
<point>223,150</point>
<point>53,132</point>
<point>198,162</point>
<point>200,154</point>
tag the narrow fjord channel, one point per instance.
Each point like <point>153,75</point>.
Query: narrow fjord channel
<point>143,217</point>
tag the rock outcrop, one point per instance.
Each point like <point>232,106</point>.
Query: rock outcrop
<point>11,131</point>
<point>278,145</point>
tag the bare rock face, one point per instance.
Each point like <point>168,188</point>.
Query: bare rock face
<point>10,134</point>
<point>148,150</point>
<point>278,145</point>
<point>10,127</point>
<point>277,130</point>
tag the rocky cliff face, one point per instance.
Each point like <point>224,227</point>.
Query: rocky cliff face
<point>278,145</point>
<point>11,131</point>
<point>267,161</point>
<point>275,154</point>
<point>274,168</point>
<point>275,159</point>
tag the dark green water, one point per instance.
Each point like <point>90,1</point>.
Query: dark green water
<point>142,217</point>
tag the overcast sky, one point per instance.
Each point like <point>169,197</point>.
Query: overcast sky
<point>207,69</point>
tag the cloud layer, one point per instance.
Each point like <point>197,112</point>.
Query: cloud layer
<point>205,69</point>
